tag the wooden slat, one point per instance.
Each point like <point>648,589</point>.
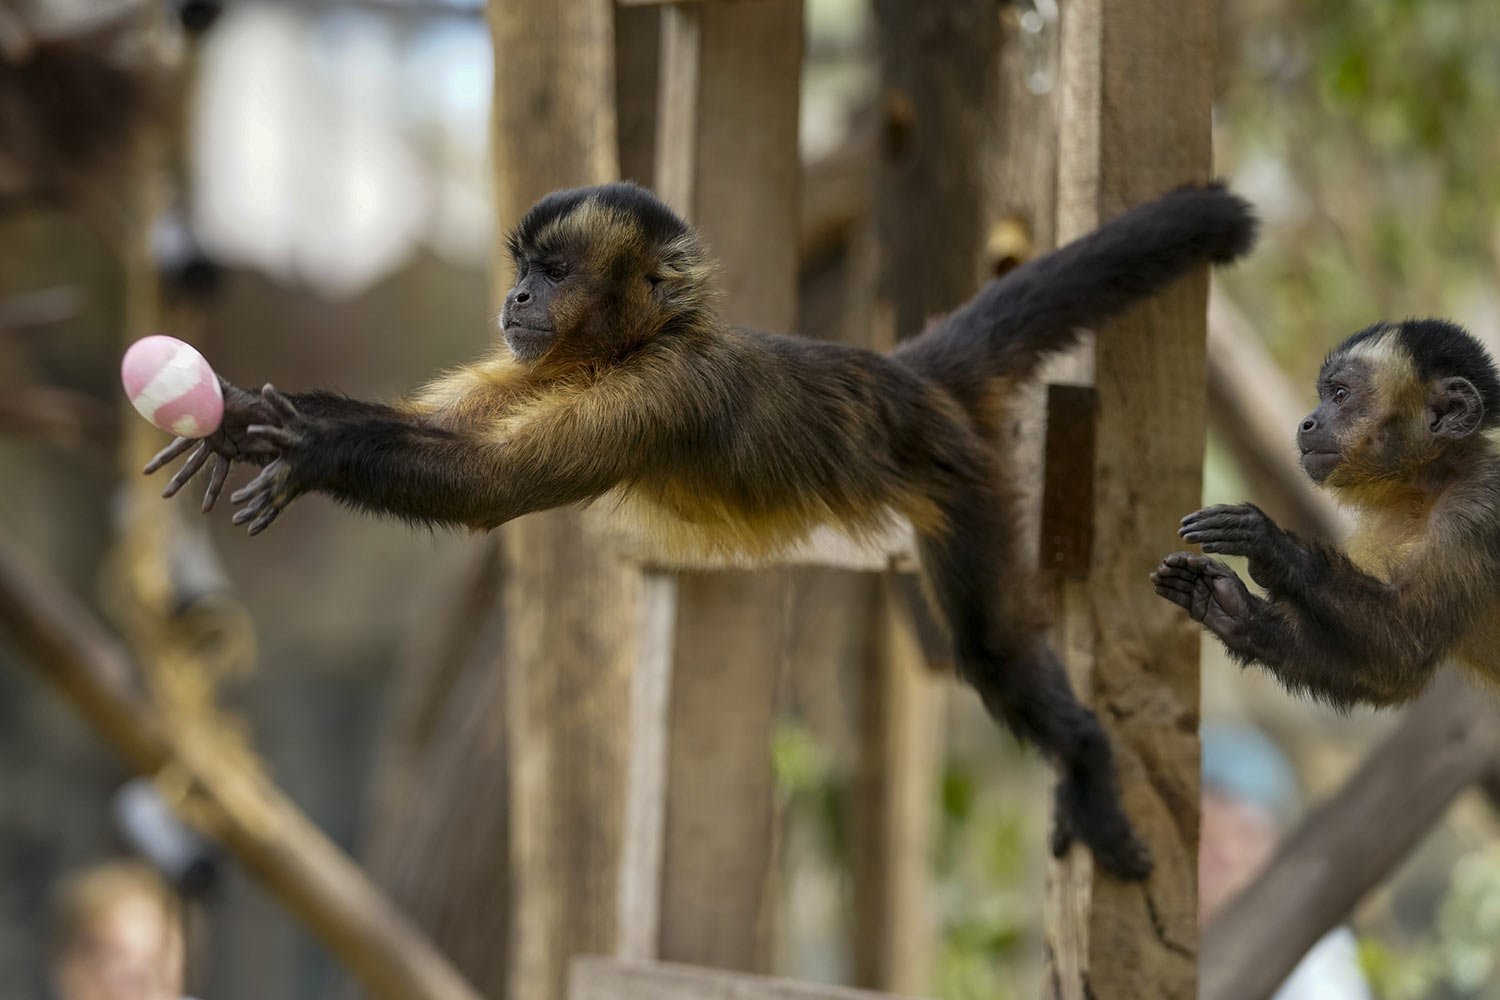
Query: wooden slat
<point>605,979</point>
<point>1067,532</point>
<point>895,797</point>
<point>571,607</point>
<point>1137,88</point>
<point>646,779</point>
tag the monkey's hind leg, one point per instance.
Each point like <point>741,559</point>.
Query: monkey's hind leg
<point>1000,650</point>
<point>1030,690</point>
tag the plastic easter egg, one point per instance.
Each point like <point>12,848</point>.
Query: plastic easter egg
<point>170,384</point>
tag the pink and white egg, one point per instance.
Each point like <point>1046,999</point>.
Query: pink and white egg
<point>172,385</point>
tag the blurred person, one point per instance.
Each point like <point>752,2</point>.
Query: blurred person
<point>117,935</point>
<point>1249,797</point>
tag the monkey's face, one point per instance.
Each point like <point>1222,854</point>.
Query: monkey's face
<point>1339,423</point>
<point>1378,420</point>
<point>526,318</point>
<point>598,272</point>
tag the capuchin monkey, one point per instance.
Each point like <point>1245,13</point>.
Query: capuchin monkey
<point>619,386</point>
<point>1404,433</point>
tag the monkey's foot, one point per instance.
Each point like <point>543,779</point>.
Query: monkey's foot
<point>1098,821</point>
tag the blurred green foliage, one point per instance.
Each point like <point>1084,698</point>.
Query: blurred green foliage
<point>1368,131</point>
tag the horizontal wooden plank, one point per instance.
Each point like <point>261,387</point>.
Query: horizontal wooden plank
<point>615,979</point>
<point>825,548</point>
<point>670,3</point>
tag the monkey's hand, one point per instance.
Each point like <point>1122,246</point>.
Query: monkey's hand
<point>231,443</point>
<point>263,499</point>
<point>1243,529</point>
<point>1213,595</point>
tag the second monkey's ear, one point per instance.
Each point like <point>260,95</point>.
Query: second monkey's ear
<point>1454,409</point>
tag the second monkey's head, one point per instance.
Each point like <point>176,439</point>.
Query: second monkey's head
<point>1395,401</point>
<point>600,271</point>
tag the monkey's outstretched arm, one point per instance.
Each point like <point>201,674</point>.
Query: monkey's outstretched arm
<point>388,461</point>
<point>232,442</point>
<point>1302,652</point>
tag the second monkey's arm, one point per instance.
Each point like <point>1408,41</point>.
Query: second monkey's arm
<point>1304,653</point>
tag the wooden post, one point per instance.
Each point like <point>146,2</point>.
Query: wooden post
<point>937,60</point>
<point>1137,88</point>
<point>727,159</point>
<point>569,604</point>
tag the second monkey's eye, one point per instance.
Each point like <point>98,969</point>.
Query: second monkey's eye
<point>1339,395</point>
<point>555,271</point>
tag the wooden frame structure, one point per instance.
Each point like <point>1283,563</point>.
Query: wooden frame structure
<point>648,834</point>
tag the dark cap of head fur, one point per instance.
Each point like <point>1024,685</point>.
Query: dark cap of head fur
<point>1437,349</point>
<point>658,223</point>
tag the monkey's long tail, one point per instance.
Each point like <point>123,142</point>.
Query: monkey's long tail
<point>1041,307</point>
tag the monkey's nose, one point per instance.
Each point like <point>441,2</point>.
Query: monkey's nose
<point>522,298</point>
<point>1309,425</point>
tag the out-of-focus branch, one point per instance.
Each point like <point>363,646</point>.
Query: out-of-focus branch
<point>59,415</point>
<point>1255,411</point>
<point>237,805</point>
<point>1489,784</point>
<point>1349,843</point>
<point>29,310</point>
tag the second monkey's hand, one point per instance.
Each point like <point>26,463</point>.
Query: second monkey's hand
<point>1212,595</point>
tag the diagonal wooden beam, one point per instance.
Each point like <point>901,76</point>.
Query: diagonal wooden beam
<point>1349,843</point>
<point>242,809</point>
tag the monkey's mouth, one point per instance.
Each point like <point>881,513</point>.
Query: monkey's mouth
<point>527,341</point>
<point>1318,464</point>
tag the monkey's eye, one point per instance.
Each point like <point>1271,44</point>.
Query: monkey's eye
<point>1339,395</point>
<point>555,271</point>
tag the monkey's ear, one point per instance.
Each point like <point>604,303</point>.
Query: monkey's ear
<point>1454,409</point>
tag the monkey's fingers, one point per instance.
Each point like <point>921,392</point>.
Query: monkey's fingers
<point>171,451</point>
<point>1224,513</point>
<point>259,483</point>
<point>1175,580</point>
<point>189,470</point>
<point>216,483</point>
<point>252,509</point>
<point>277,435</point>
<point>1196,563</point>
<point>1229,547</point>
<point>280,403</point>
<point>264,521</point>
<point>1232,540</point>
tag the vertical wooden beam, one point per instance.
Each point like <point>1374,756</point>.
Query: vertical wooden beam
<point>1138,85</point>
<point>727,158</point>
<point>570,604</point>
<point>937,62</point>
